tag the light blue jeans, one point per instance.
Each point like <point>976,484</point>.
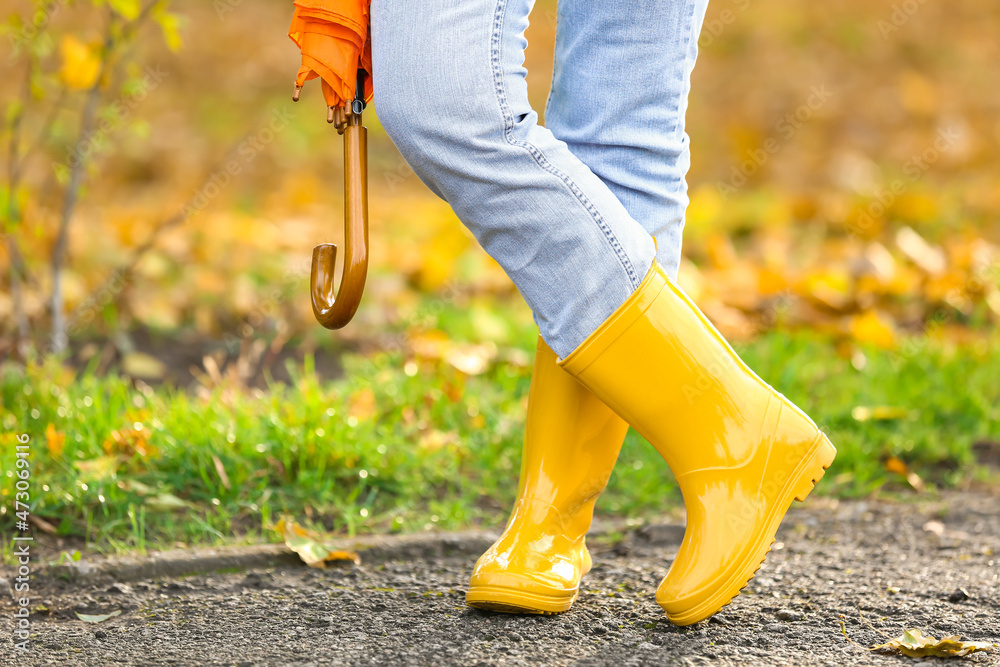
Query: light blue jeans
<point>568,210</point>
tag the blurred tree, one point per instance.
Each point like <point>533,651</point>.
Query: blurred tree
<point>68,82</point>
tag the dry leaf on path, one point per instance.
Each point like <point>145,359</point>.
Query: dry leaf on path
<point>97,618</point>
<point>917,645</point>
<point>309,545</point>
<point>898,466</point>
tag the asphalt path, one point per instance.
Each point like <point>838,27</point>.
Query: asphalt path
<point>867,569</point>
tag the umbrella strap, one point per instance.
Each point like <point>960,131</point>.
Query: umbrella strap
<point>358,104</point>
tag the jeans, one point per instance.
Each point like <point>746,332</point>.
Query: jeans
<point>568,210</point>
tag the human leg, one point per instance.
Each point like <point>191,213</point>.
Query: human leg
<point>450,91</point>
<point>619,96</point>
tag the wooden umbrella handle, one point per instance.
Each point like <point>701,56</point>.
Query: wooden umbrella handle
<point>335,309</point>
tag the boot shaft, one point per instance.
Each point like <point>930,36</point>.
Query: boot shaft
<point>661,365</point>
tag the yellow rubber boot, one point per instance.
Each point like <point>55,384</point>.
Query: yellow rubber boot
<point>571,443</point>
<point>740,450</point>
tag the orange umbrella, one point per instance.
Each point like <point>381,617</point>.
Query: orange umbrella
<point>333,38</point>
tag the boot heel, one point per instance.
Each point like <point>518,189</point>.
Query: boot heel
<point>817,462</point>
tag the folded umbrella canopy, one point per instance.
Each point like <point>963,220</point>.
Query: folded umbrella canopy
<point>333,37</point>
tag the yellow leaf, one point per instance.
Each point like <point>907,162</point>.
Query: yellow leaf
<point>127,8</point>
<point>915,644</point>
<point>439,257</point>
<point>917,207</point>
<point>170,24</point>
<point>433,440</point>
<point>706,206</point>
<point>871,327</point>
<point>129,442</point>
<point>770,281</point>
<point>918,94</point>
<point>830,287</point>
<point>428,344</point>
<point>896,465</point>
<point>470,358</point>
<point>81,63</point>
<point>721,252</point>
<point>139,364</point>
<point>899,467</point>
<point>863,413</point>
<point>362,405</point>
<point>54,440</point>
<point>309,545</point>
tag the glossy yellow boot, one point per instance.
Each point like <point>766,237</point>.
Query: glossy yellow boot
<point>571,443</point>
<point>740,450</point>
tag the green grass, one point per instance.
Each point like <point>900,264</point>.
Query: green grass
<point>300,448</point>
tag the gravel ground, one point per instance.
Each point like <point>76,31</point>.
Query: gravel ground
<point>932,565</point>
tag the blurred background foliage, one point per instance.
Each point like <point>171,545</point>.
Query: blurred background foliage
<point>844,231</point>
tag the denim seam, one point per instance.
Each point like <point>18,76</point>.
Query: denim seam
<point>679,120</point>
<point>538,156</point>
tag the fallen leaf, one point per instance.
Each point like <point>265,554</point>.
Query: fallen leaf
<point>468,358</point>
<point>471,359</point>
<point>829,287</point>
<point>872,327</point>
<point>935,527</point>
<point>863,413</point>
<point>98,618</point>
<point>931,259</point>
<point>771,282</point>
<point>97,468</point>
<point>42,524</point>
<point>309,545</point>
<point>139,364</point>
<point>433,440</point>
<point>54,440</point>
<point>362,405</point>
<point>915,644</point>
<point>136,486</point>
<point>899,467</point>
<point>721,252</point>
<point>165,501</point>
<point>129,442</point>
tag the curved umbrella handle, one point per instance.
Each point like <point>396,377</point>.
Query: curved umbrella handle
<point>335,309</point>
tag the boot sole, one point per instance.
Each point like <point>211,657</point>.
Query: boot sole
<point>511,601</point>
<point>810,471</point>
